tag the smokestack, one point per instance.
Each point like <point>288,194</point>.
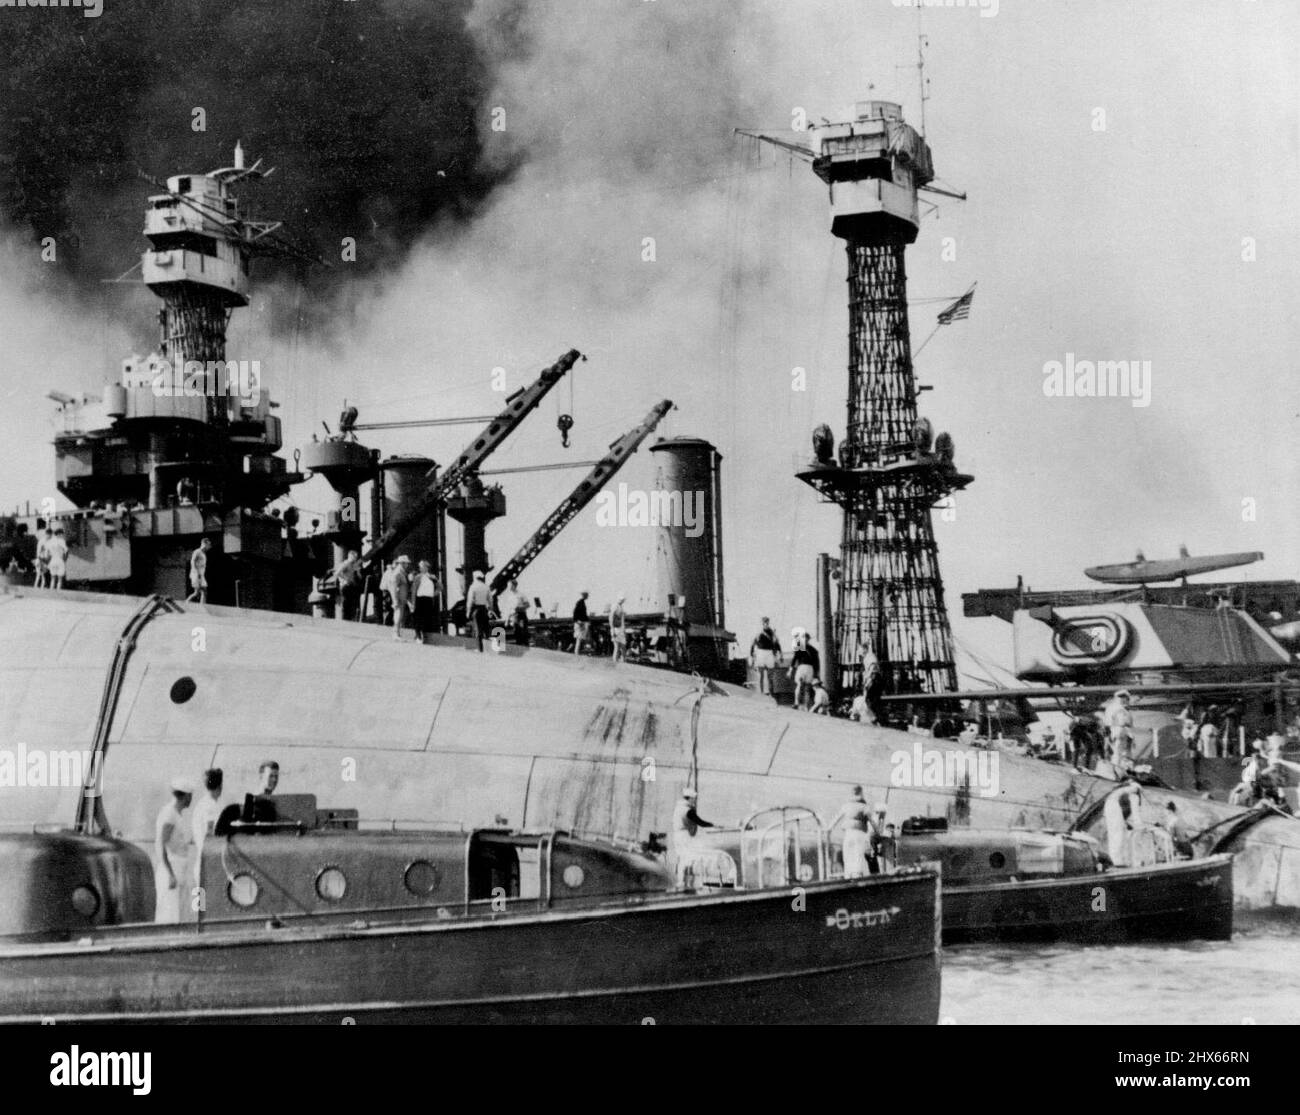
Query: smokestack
<point>826,625</point>
<point>689,491</point>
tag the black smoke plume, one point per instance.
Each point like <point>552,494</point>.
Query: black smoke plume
<point>370,110</point>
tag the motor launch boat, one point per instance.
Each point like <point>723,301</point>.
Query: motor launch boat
<point>1000,885</point>
<point>1026,885</point>
<point>316,916</point>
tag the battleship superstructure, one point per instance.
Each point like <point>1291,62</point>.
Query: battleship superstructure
<point>184,443</point>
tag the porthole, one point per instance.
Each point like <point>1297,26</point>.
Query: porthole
<point>243,890</point>
<point>331,884</point>
<point>574,876</point>
<point>421,878</point>
<point>85,900</point>
<point>182,690</point>
<point>997,860</point>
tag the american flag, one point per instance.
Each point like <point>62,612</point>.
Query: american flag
<point>959,310</point>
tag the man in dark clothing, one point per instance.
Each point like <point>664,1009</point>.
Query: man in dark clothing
<point>522,637</point>
<point>348,575</point>
<point>806,664</point>
<point>21,553</point>
<point>1080,737</point>
<point>765,655</point>
<point>581,625</point>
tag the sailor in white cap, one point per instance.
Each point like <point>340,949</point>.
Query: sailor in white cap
<point>856,816</point>
<point>1122,812</point>
<point>172,846</point>
<point>1119,725</point>
<point>399,588</point>
<point>686,823</point>
<point>618,628</point>
<point>477,604</point>
<point>1279,773</point>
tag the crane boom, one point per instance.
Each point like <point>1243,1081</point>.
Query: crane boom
<point>518,407</point>
<point>583,494</point>
<point>799,149</point>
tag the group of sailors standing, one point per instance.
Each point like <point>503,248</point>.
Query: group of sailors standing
<point>868,843</point>
<point>42,555</point>
<point>178,839</point>
<point>411,598</point>
<point>766,655</point>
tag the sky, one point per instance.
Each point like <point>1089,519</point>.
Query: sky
<point>1130,172</point>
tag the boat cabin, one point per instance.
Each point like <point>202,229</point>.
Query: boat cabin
<point>297,860</point>
<point>338,864</point>
<point>970,856</point>
<point>787,845</point>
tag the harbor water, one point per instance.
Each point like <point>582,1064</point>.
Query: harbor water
<point>1252,979</point>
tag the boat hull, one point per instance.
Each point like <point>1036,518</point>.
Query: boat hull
<point>1168,902</point>
<point>861,951</point>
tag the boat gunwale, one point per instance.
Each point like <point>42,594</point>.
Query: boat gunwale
<point>1190,867</point>
<point>255,931</point>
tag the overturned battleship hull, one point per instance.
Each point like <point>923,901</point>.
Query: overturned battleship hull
<point>442,732</point>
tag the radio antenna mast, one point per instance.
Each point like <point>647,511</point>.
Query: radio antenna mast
<point>921,43</point>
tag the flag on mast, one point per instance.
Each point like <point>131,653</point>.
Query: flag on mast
<point>959,310</point>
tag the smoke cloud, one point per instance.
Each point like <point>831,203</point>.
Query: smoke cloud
<point>372,110</point>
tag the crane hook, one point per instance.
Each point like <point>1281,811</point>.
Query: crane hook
<point>565,423</point>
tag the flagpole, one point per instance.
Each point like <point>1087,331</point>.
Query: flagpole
<point>917,351</point>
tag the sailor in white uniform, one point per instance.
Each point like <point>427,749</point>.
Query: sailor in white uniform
<point>856,815</point>
<point>686,823</point>
<point>172,847</point>
<point>1123,813</point>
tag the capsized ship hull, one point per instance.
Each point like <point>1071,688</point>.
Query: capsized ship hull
<point>536,738</point>
<point>855,951</point>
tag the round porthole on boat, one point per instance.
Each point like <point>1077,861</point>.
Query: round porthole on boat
<point>85,900</point>
<point>243,890</point>
<point>421,878</point>
<point>574,876</point>
<point>182,690</point>
<point>997,860</point>
<point>331,884</point>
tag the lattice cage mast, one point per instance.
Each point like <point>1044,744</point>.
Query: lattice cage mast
<point>891,470</point>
